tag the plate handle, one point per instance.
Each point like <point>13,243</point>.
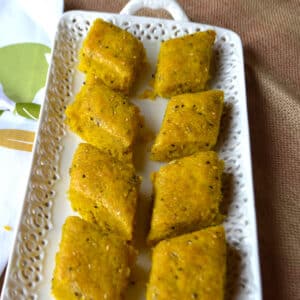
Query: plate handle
<point>171,6</point>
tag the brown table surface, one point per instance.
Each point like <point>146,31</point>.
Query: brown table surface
<point>270,31</point>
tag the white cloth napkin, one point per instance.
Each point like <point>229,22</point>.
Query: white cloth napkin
<point>26,34</point>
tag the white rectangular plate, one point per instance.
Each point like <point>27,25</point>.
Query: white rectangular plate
<point>46,206</point>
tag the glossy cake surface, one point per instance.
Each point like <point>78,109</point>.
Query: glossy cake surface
<point>90,264</point>
<point>112,54</point>
<point>104,190</point>
<point>187,195</point>
<point>184,64</point>
<point>191,266</point>
<point>191,124</point>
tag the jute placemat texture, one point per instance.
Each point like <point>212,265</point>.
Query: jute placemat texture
<point>270,31</point>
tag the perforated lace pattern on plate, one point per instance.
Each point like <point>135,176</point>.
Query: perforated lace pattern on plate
<point>27,264</point>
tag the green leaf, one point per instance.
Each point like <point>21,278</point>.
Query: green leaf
<point>28,110</point>
<point>23,70</point>
<point>1,112</point>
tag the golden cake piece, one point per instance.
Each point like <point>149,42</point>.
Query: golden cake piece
<point>104,190</point>
<point>113,54</point>
<point>90,264</point>
<point>184,64</point>
<point>191,124</point>
<point>104,118</point>
<point>187,194</point>
<point>192,266</point>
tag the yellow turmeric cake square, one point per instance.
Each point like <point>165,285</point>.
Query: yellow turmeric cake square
<point>191,266</point>
<point>187,194</point>
<point>90,263</point>
<point>113,54</point>
<point>191,124</point>
<point>104,118</point>
<point>184,64</point>
<point>104,190</point>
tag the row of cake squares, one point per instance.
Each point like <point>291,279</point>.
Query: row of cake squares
<point>112,59</point>
<point>118,58</point>
<point>94,264</point>
<point>107,120</point>
<point>104,186</point>
<point>187,193</point>
<point>189,261</point>
<point>95,256</point>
